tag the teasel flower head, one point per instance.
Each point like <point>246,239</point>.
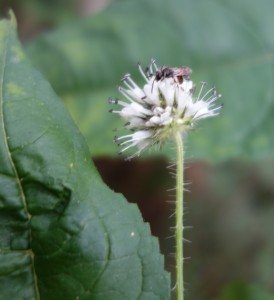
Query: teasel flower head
<point>165,105</point>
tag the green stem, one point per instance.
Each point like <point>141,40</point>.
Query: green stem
<point>179,217</point>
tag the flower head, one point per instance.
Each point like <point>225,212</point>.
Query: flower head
<point>163,106</point>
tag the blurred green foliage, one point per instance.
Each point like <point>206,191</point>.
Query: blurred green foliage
<point>225,44</point>
<point>244,291</point>
<point>51,11</point>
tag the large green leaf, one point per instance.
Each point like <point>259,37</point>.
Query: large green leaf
<point>63,233</point>
<point>227,43</point>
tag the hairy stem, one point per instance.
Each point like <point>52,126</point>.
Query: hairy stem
<point>179,217</point>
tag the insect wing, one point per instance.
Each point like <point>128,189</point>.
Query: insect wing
<point>183,71</point>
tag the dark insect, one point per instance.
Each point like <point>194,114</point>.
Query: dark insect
<point>179,73</point>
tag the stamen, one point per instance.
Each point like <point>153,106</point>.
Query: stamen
<point>209,98</point>
<point>203,83</point>
<point>128,158</point>
<point>155,66</point>
<point>122,103</point>
<point>142,72</point>
<point>128,85</point>
<point>114,111</point>
<point>209,91</point>
<point>216,108</point>
<point>147,72</point>
<point>125,77</point>
<point>124,92</point>
<point>129,79</point>
<point>117,101</point>
<point>125,142</point>
<point>220,107</point>
<point>151,64</point>
<point>129,146</point>
<point>212,99</point>
<point>122,137</point>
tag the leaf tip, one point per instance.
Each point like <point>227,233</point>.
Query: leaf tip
<point>10,18</point>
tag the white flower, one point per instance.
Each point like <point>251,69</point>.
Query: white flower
<point>164,106</point>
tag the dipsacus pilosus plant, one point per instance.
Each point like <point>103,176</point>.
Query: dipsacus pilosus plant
<point>166,104</point>
<point>165,107</point>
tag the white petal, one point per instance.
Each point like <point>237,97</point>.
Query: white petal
<point>151,90</point>
<point>158,110</point>
<point>198,110</point>
<point>155,120</point>
<point>144,144</point>
<point>142,139</point>
<point>167,89</point>
<point>141,134</point>
<point>166,120</point>
<point>183,100</point>
<point>134,110</point>
<point>135,122</point>
<point>188,85</point>
<point>136,94</point>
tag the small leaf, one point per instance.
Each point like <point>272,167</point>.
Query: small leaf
<point>63,233</point>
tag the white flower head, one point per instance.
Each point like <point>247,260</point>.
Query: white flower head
<point>163,106</point>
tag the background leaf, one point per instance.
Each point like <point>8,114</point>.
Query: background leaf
<point>63,233</point>
<point>225,43</point>
<point>244,291</point>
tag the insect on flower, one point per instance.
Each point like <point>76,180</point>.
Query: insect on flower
<point>179,73</point>
<point>160,108</point>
